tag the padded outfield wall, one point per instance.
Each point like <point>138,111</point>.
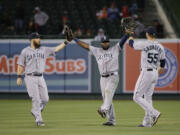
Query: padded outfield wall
<point>74,70</point>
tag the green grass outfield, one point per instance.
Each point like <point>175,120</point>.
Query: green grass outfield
<point>79,117</point>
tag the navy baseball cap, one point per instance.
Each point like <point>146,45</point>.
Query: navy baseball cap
<point>151,30</point>
<point>104,39</point>
<point>34,35</point>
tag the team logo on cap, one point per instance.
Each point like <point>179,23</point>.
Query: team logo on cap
<point>171,69</point>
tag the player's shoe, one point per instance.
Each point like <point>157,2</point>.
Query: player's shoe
<point>42,109</point>
<point>108,124</point>
<point>141,125</point>
<point>155,119</point>
<point>102,113</point>
<point>40,123</point>
<point>33,115</point>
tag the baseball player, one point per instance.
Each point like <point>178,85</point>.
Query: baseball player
<point>152,64</point>
<point>33,59</point>
<point>108,64</point>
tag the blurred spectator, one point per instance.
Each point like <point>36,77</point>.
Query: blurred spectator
<point>64,19</point>
<point>1,14</point>
<point>88,33</point>
<point>30,27</point>
<point>63,24</point>
<point>19,19</point>
<point>113,12</point>
<point>159,29</point>
<point>62,29</point>
<point>141,5</point>
<point>140,27</point>
<point>125,11</point>
<point>1,9</point>
<point>99,35</point>
<point>6,24</point>
<point>133,8</point>
<point>102,14</point>
<point>78,32</point>
<point>40,19</point>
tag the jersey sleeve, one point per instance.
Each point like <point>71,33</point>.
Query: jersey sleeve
<point>162,55</point>
<point>92,50</point>
<point>118,46</point>
<point>139,45</point>
<point>50,51</point>
<point>21,58</point>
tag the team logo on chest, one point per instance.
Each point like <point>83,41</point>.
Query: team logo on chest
<point>105,56</point>
<point>171,69</point>
<point>34,55</point>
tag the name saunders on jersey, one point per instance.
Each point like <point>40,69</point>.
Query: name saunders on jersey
<point>152,47</point>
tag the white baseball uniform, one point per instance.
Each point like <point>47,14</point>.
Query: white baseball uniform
<point>108,64</point>
<point>34,62</point>
<point>151,54</point>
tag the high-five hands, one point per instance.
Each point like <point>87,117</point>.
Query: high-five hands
<point>68,33</point>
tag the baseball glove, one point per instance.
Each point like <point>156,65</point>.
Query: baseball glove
<point>68,33</point>
<point>129,25</point>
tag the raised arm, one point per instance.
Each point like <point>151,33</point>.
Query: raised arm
<point>82,44</point>
<point>131,42</point>
<point>61,46</point>
<point>123,40</point>
<point>70,36</point>
<point>128,34</point>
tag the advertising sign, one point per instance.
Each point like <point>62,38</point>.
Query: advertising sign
<point>68,71</point>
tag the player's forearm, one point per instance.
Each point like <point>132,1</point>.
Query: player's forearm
<point>20,70</point>
<point>123,40</point>
<point>61,46</point>
<point>131,42</point>
<point>19,74</point>
<point>82,44</point>
<point>162,63</point>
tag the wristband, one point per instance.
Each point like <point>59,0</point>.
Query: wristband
<point>19,76</point>
<point>66,42</point>
<point>76,40</point>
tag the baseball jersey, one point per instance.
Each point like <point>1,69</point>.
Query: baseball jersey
<point>151,53</point>
<point>34,60</point>
<point>108,60</point>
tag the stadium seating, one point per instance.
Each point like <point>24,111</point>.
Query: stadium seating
<point>80,13</point>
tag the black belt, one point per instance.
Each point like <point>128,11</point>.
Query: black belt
<point>34,74</point>
<point>149,69</point>
<point>107,75</point>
